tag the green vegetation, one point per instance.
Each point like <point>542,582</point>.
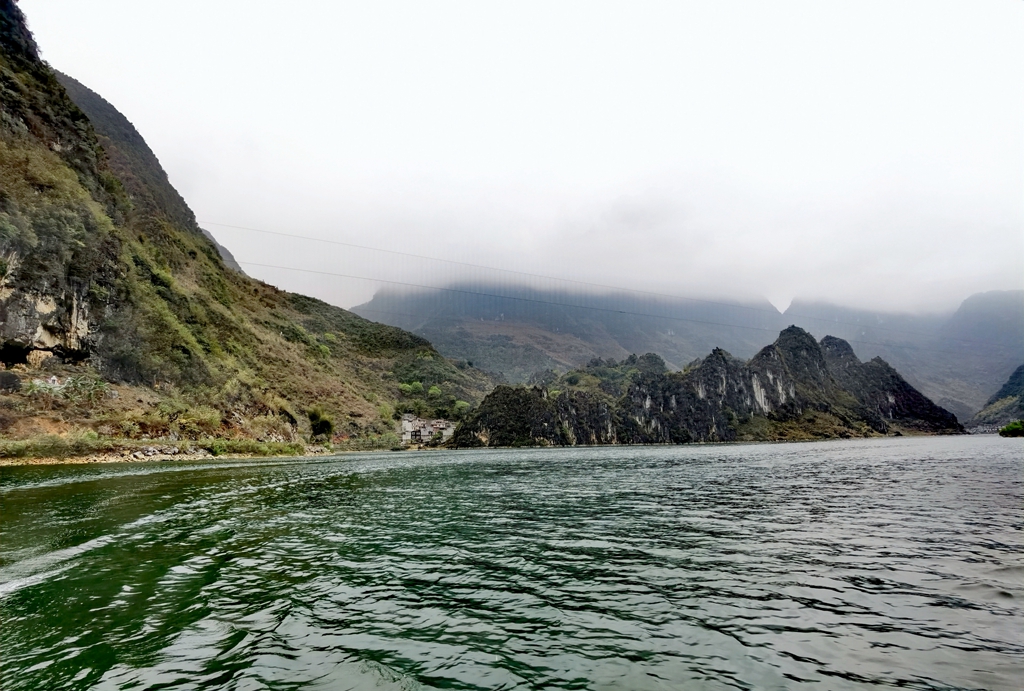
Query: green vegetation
<point>320,424</point>
<point>1006,405</point>
<point>98,251</point>
<point>74,389</point>
<point>1014,429</point>
<point>794,389</point>
<point>604,377</point>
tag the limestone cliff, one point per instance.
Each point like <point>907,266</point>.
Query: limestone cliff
<point>795,388</point>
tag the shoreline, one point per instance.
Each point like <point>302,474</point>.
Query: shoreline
<point>146,453</point>
<point>154,453</point>
<point>125,457</point>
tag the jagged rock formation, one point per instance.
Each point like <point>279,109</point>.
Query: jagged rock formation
<point>794,388</point>
<point>1005,405</point>
<point>956,359</point>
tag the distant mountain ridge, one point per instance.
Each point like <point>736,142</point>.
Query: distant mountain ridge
<point>958,359</point>
<point>518,330</point>
<point>795,388</point>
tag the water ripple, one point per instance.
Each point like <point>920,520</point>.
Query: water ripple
<point>841,565</point>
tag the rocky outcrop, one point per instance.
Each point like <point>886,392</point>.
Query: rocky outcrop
<point>521,416</point>
<point>793,388</point>
<point>45,324</point>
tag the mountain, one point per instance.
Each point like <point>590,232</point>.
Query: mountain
<point>795,388</point>
<point>1005,405</point>
<point>105,277</point>
<point>957,358</point>
<point>518,330</point>
<point>134,163</point>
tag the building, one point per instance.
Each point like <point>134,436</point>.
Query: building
<point>416,430</point>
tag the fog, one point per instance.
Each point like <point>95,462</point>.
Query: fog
<point>864,153</point>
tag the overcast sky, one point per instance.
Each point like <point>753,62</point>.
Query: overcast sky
<point>866,153</point>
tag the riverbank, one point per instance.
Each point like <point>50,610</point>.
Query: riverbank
<point>53,450</point>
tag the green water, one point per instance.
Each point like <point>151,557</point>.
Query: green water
<point>839,565</point>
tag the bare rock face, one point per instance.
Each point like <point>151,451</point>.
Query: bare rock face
<point>32,324</point>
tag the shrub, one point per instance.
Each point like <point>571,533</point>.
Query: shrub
<point>320,424</point>
<point>84,388</point>
<point>1014,429</point>
<point>198,422</point>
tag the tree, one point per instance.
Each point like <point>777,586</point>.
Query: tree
<point>320,424</point>
<point>1014,429</point>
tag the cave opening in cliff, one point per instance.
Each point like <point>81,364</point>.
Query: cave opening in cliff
<point>14,354</point>
<point>72,357</point>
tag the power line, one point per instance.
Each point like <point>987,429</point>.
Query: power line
<point>562,304</point>
<point>584,283</point>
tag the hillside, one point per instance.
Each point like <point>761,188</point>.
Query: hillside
<point>517,330</point>
<point>1005,405</point>
<point>795,388</point>
<point>135,164</point>
<point>107,281</point>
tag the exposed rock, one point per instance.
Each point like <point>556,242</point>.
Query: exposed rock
<point>794,388</point>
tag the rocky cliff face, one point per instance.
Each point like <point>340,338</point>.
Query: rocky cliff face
<point>794,388</point>
<point>57,203</point>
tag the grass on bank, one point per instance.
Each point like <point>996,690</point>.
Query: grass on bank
<point>89,443</point>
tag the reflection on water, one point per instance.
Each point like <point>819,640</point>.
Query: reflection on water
<point>837,565</point>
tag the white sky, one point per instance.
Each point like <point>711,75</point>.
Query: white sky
<point>867,153</point>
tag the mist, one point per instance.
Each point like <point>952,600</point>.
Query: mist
<point>868,154</point>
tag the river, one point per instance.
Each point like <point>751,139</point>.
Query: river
<point>832,565</point>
